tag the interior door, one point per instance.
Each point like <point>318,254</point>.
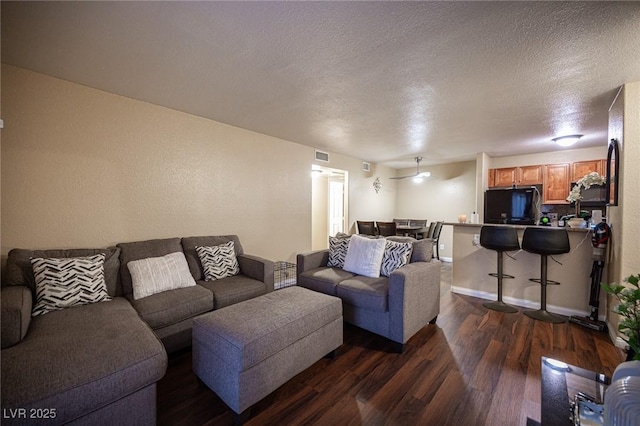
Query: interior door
<point>336,205</point>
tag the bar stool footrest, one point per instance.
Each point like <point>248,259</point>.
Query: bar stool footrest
<point>493,274</point>
<point>544,315</point>
<point>539,281</point>
<point>500,307</point>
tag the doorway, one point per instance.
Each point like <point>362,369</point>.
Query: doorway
<point>329,195</point>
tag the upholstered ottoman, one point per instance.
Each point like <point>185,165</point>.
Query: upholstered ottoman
<point>245,351</point>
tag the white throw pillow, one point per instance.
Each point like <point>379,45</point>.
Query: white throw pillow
<point>157,274</point>
<point>65,282</point>
<point>396,255</point>
<point>364,256</point>
<point>218,261</point>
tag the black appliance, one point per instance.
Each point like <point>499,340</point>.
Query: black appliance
<point>512,206</point>
<point>595,196</point>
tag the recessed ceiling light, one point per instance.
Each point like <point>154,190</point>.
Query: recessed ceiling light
<point>567,140</point>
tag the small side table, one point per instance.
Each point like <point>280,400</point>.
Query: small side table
<point>561,383</point>
<point>284,274</point>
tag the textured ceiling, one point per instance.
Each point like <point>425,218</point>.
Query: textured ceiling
<point>379,81</point>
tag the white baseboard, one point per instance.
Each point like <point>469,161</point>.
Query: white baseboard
<point>615,339</point>
<point>523,303</point>
<point>446,259</point>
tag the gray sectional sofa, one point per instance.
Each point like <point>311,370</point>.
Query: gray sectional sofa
<point>395,307</point>
<point>99,363</point>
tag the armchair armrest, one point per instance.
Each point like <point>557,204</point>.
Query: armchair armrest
<point>311,260</point>
<point>414,298</point>
<point>16,305</point>
<point>257,268</point>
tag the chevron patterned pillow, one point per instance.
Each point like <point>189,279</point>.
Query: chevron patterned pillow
<point>396,255</point>
<point>65,282</point>
<point>338,247</point>
<point>218,261</point>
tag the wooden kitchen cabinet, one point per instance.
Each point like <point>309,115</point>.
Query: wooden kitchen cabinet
<point>556,184</point>
<point>509,176</point>
<point>529,175</point>
<point>505,177</point>
<point>581,168</point>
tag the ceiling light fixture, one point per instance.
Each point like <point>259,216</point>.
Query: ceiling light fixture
<point>567,140</point>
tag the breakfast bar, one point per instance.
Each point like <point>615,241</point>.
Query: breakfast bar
<point>472,263</point>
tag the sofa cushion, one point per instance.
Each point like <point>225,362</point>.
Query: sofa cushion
<point>364,256</point>
<point>189,245</point>
<point>338,247</point>
<point>80,359</point>
<point>65,282</point>
<point>218,261</point>
<point>154,275</point>
<point>396,255</point>
<point>172,306</point>
<point>324,279</point>
<point>140,250</point>
<point>20,272</point>
<point>365,292</point>
<point>234,289</point>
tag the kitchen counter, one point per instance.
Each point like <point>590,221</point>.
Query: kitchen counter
<point>479,225</point>
<point>472,263</point>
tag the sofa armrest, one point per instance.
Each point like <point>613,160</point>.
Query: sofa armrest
<point>414,298</point>
<point>16,302</point>
<point>311,260</point>
<point>257,268</point>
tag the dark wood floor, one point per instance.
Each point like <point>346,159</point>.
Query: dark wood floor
<point>473,367</point>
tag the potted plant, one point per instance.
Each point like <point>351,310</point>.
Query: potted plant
<point>629,308</point>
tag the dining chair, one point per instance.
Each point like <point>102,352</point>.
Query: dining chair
<point>401,222</point>
<point>386,229</point>
<point>366,227</point>
<point>436,238</point>
<point>432,227</point>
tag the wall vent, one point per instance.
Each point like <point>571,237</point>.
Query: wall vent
<point>366,167</point>
<point>322,156</point>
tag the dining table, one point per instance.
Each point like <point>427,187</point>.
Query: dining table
<point>412,231</point>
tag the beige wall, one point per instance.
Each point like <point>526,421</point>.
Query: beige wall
<point>319,212</point>
<point>449,192</point>
<point>85,168</point>
<point>624,125</point>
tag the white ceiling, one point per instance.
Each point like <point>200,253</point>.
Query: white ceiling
<point>379,81</point>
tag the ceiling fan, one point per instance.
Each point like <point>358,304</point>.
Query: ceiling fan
<point>417,174</point>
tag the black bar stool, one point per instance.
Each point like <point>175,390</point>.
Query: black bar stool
<point>545,242</point>
<point>500,239</point>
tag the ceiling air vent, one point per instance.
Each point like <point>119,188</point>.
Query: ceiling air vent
<point>366,167</point>
<point>322,156</point>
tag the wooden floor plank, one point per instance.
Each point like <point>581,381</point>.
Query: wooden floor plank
<point>474,366</point>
